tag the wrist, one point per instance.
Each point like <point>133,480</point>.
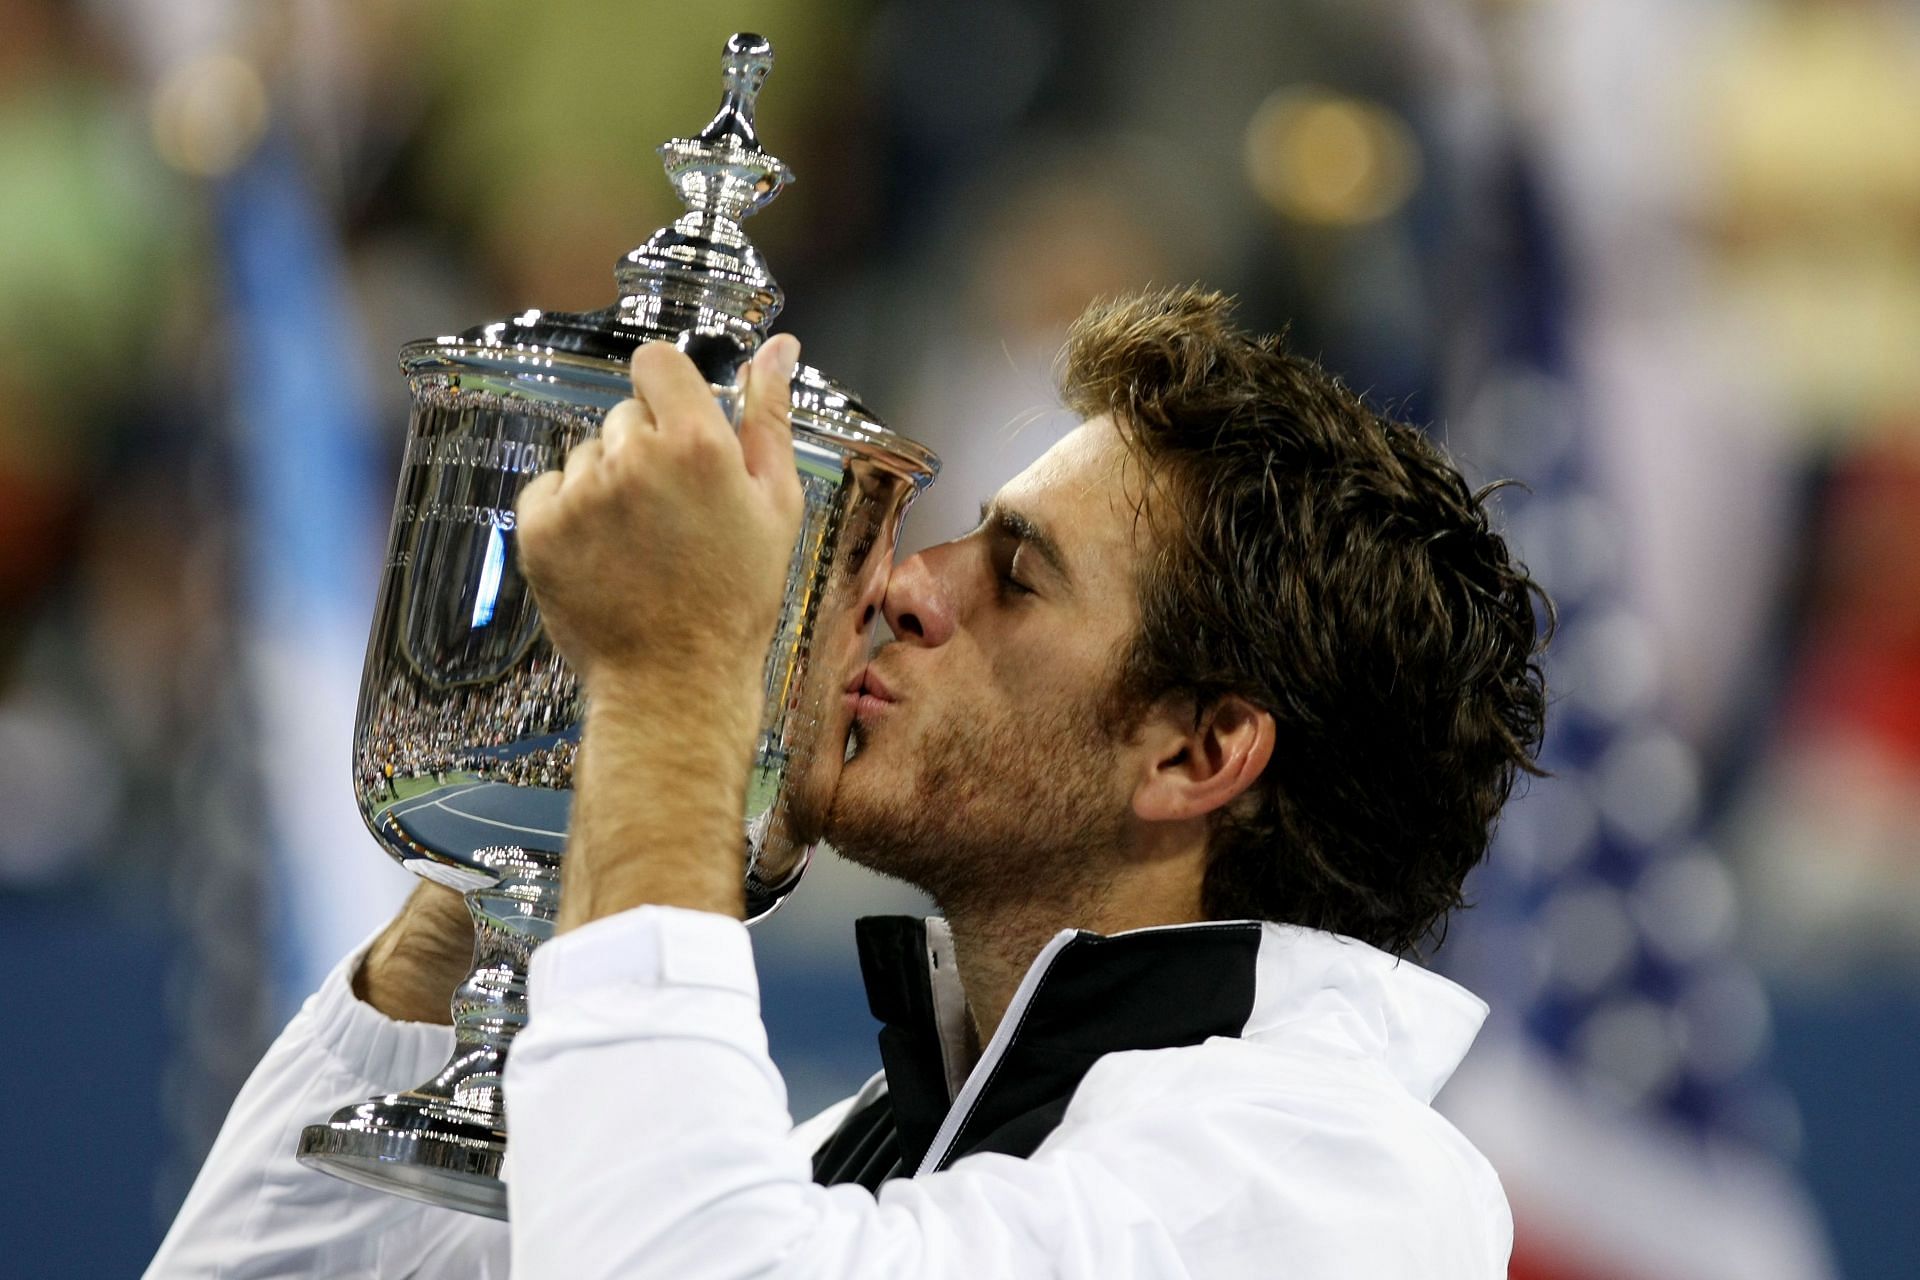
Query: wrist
<point>690,704</point>
<point>412,969</point>
<point>659,796</point>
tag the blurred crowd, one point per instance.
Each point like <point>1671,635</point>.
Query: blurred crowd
<point>1659,262</point>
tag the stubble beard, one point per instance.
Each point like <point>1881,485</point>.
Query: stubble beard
<point>996,814</point>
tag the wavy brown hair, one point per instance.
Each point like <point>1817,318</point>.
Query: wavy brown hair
<point>1333,567</point>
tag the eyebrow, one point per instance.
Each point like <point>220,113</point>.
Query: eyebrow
<point>1021,527</point>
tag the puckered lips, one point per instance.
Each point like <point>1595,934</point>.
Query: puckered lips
<point>868,695</point>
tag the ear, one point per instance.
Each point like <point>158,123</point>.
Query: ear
<point>1196,769</point>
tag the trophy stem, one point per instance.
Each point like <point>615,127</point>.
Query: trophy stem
<point>443,1141</point>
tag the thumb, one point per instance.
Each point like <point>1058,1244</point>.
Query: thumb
<point>766,426</point>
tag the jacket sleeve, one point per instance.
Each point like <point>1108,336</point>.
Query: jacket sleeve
<point>648,1141</point>
<point>255,1211</point>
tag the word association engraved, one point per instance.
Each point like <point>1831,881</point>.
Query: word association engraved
<point>516,457</point>
<point>509,457</point>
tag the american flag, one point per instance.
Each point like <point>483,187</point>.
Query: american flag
<point>1621,1087</point>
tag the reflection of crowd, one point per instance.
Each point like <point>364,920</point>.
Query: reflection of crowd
<point>413,731</point>
<point>547,767</point>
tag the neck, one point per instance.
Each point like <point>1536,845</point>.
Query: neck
<point>995,943</point>
<point>993,951</point>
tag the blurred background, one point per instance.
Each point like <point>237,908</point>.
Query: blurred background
<point>1658,260</point>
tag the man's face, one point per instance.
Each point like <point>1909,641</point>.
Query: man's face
<point>981,763</point>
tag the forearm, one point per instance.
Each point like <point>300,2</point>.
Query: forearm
<point>607,1128</point>
<point>650,1139</point>
<point>255,1211</point>
<point>659,794</point>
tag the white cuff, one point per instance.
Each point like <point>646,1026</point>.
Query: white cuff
<point>388,1054</point>
<point>648,946</point>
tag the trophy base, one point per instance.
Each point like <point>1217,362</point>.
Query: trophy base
<point>411,1146</point>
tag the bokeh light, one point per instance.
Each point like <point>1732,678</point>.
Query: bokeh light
<point>209,112</point>
<point>1324,158</point>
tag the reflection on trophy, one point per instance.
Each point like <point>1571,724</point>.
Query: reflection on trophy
<point>469,721</point>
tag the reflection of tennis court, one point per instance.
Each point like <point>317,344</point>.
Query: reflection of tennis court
<point>455,819</point>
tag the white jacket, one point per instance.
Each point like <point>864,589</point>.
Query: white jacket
<point>651,1136</point>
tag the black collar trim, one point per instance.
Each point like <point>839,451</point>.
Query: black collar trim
<point>1148,989</point>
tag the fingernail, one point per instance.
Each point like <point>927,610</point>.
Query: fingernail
<point>784,351</point>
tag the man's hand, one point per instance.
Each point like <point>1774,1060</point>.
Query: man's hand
<point>660,553</point>
<point>659,558</point>
<point>413,968</point>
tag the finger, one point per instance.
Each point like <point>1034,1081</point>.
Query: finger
<point>583,460</point>
<point>673,391</point>
<point>535,498</point>
<point>623,422</point>
<point>766,427</point>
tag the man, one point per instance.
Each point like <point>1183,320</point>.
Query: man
<point>1208,717</point>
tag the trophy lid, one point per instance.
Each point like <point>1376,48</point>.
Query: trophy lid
<point>699,274</point>
<point>697,281</point>
<point>722,175</point>
<point>703,261</point>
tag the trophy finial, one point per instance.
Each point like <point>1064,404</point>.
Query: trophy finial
<point>724,169</point>
<point>745,61</point>
<point>701,271</point>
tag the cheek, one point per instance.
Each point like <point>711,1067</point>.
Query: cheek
<point>1046,673</point>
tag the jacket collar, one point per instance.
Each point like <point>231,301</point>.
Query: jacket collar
<point>1084,996</point>
<point>1088,995</point>
<point>1326,988</point>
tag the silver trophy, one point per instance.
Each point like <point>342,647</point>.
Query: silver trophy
<point>468,722</point>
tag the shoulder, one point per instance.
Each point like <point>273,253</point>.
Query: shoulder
<point>1316,1149</point>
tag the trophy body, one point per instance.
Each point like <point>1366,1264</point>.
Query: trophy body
<point>469,722</point>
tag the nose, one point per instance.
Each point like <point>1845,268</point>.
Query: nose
<point>916,605</point>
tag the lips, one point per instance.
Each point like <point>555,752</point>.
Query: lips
<point>868,695</point>
<point>869,681</point>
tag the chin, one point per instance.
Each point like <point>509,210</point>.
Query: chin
<point>857,767</point>
<point>879,744</point>
<point>865,789</point>
<point>810,792</point>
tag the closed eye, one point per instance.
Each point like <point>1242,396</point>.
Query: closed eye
<point>1012,539</point>
<point>1005,553</point>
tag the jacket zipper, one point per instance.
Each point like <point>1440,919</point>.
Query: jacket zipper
<point>983,1070</point>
